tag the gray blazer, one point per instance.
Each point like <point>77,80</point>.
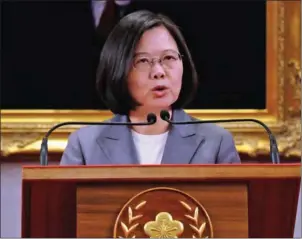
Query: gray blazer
<point>186,144</point>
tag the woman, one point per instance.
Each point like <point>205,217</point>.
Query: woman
<point>145,66</point>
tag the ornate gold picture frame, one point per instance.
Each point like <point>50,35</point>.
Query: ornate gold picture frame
<point>22,130</point>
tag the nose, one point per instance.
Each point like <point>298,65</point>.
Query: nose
<point>157,72</point>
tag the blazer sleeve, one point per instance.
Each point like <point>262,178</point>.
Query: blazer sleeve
<point>72,154</point>
<point>228,153</point>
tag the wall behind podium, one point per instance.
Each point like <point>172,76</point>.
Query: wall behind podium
<point>246,54</point>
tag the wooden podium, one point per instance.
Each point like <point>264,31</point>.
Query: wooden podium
<point>229,201</point>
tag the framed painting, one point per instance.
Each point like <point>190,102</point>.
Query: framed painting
<point>276,100</point>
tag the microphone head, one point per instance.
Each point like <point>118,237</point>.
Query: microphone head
<point>165,115</point>
<point>151,118</point>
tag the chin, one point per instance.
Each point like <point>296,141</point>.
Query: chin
<point>161,104</point>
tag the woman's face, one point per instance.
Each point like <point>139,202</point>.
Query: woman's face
<point>155,78</point>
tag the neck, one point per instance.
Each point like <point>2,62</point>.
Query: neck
<point>140,115</point>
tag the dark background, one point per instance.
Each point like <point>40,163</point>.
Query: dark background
<point>50,52</point>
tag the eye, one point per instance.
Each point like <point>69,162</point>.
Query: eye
<point>141,61</point>
<point>170,57</point>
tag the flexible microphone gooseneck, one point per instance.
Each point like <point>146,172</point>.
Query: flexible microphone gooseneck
<point>274,152</point>
<point>151,119</point>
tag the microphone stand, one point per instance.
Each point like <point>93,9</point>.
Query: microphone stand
<point>274,152</point>
<point>151,119</point>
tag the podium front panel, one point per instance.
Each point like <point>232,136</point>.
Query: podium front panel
<point>143,210</point>
<point>256,201</point>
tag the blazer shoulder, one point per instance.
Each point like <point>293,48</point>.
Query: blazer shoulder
<point>208,129</point>
<point>79,143</point>
<point>90,131</point>
<point>227,152</point>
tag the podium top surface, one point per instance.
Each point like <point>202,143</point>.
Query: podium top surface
<point>158,172</point>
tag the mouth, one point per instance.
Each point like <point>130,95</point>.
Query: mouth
<point>159,88</point>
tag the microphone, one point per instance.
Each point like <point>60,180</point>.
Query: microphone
<point>151,119</point>
<point>274,152</point>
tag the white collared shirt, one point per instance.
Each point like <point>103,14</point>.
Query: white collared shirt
<point>149,148</point>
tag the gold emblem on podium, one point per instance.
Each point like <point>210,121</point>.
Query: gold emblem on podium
<point>164,227</point>
<point>163,213</point>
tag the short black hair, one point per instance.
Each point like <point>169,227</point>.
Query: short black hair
<point>117,55</point>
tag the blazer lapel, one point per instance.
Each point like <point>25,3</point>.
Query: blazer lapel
<point>182,141</point>
<point>117,144</point>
